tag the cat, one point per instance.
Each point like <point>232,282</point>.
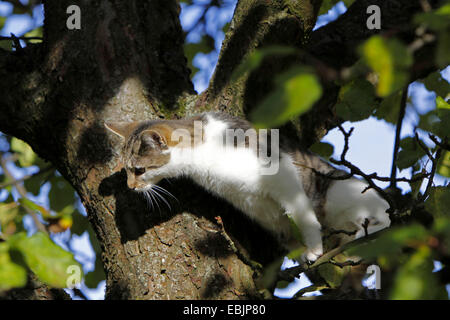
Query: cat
<point>272,190</point>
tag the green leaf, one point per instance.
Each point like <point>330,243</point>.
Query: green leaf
<point>2,22</point>
<point>10,218</point>
<point>389,108</point>
<point>356,100</point>
<point>314,287</point>
<point>436,20</point>
<point>12,275</point>
<point>333,275</point>
<point>390,242</point>
<point>442,104</point>
<point>35,207</point>
<point>93,278</point>
<point>296,254</point>
<point>270,273</point>
<point>283,284</point>
<point>22,9</point>
<point>46,259</point>
<point>37,32</point>
<point>438,203</point>
<point>8,211</point>
<point>61,193</point>
<point>348,3</point>
<point>436,122</point>
<point>225,27</point>
<point>26,155</point>
<point>206,45</point>
<point>410,153</point>
<point>415,280</point>
<point>34,184</point>
<point>435,82</point>
<point>441,228</point>
<point>390,59</point>
<point>323,149</point>
<point>295,93</point>
<point>254,59</point>
<point>443,49</point>
<point>443,167</point>
<point>80,223</point>
<point>328,4</point>
<point>415,186</point>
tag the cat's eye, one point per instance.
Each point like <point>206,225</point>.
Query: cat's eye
<point>139,171</point>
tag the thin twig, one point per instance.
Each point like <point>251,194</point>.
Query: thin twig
<point>442,144</point>
<point>423,146</point>
<point>20,38</point>
<point>435,161</point>
<point>290,274</point>
<point>355,170</point>
<point>347,263</point>
<point>254,265</point>
<point>401,115</point>
<point>80,293</point>
<point>7,184</point>
<point>347,175</point>
<point>333,232</point>
<point>329,175</point>
<point>426,7</point>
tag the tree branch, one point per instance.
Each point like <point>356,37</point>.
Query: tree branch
<point>355,170</point>
<point>335,46</point>
<point>20,38</point>
<point>435,161</point>
<point>401,115</point>
<point>290,274</point>
<point>26,177</point>
<point>442,144</point>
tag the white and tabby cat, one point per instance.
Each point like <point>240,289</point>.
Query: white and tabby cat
<point>151,153</point>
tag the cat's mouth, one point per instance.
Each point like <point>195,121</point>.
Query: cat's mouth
<point>144,188</point>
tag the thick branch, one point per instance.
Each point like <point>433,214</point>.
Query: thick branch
<point>256,24</point>
<point>330,49</point>
<point>22,88</point>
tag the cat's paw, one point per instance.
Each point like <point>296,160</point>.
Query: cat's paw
<point>311,255</point>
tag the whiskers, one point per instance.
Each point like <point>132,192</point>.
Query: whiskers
<point>155,194</point>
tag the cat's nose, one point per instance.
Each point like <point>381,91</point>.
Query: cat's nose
<point>131,184</point>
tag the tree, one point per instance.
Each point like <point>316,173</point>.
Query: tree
<point>127,62</point>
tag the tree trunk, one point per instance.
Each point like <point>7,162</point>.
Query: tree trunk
<point>127,63</point>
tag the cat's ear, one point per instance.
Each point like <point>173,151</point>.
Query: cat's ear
<point>154,137</point>
<point>122,129</point>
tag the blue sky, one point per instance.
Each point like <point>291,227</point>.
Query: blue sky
<point>371,144</point>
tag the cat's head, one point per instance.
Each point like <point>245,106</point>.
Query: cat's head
<point>144,153</point>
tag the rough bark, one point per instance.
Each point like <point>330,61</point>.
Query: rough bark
<point>127,63</point>
<point>34,290</point>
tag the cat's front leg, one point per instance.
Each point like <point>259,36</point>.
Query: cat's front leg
<point>310,229</point>
<point>299,208</point>
<point>285,187</point>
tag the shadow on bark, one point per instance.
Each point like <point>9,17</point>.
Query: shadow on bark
<point>134,217</point>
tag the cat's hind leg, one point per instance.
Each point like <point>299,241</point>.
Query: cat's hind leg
<point>346,205</point>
